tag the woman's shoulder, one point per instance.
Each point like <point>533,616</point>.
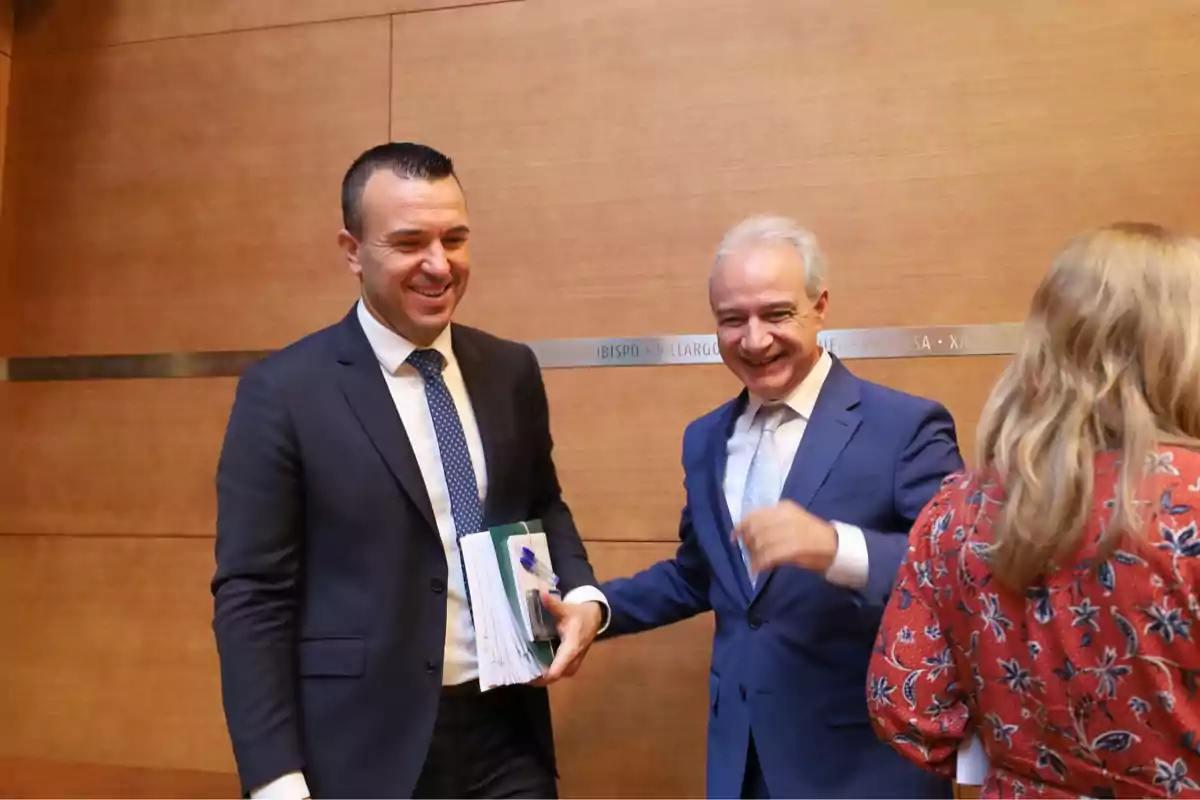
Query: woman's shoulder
<point>957,506</point>
<point>1174,461</point>
<point>970,484</point>
<point>1164,460</point>
<point>1169,469</point>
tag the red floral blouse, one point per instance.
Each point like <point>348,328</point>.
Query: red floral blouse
<point>1085,684</point>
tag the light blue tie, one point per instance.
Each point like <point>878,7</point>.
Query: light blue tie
<point>764,481</point>
<point>452,446</point>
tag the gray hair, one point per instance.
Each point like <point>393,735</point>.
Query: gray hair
<point>768,230</point>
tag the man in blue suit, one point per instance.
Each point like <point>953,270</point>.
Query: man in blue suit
<point>800,495</point>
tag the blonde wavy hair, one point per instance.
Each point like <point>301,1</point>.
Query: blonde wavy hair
<point>1109,360</point>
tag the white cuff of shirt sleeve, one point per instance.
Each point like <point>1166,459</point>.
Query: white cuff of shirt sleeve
<point>972,767</point>
<point>849,567</point>
<point>590,594</point>
<point>289,787</point>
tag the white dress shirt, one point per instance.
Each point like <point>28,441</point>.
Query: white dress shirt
<point>460,663</point>
<point>849,567</point>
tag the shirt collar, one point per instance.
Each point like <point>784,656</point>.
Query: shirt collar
<point>803,398</point>
<point>392,349</point>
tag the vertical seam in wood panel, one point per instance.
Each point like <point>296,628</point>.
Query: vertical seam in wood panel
<point>391,70</point>
<point>6,91</point>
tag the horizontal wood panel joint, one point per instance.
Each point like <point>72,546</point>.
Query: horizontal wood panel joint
<point>107,535</point>
<point>26,777</point>
<point>39,47</point>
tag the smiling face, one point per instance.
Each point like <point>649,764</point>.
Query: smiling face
<point>412,256</point>
<point>766,325</point>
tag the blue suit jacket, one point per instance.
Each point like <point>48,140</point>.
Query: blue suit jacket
<point>790,658</point>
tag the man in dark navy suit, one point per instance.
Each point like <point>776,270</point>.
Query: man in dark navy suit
<point>800,495</point>
<point>353,461</point>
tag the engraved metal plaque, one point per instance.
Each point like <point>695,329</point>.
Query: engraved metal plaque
<point>940,340</point>
<point>937,340</point>
<point>643,351</point>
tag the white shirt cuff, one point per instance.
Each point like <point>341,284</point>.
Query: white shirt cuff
<point>289,787</point>
<point>590,594</point>
<point>972,768</point>
<point>849,567</point>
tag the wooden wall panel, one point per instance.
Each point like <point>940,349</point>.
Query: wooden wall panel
<point>63,24</point>
<point>139,457</point>
<point>111,457</point>
<point>617,438</point>
<point>117,667</point>
<point>184,194</point>
<point>619,432</point>
<point>110,658</point>
<point>605,146</point>
<point>631,723</point>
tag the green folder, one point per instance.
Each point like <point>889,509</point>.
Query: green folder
<point>543,651</point>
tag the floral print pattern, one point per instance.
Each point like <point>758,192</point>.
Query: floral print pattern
<point>1083,685</point>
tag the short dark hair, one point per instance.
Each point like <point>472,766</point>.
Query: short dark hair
<point>406,159</point>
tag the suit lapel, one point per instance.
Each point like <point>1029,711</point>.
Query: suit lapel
<point>366,390</point>
<point>835,418</point>
<point>729,560</point>
<point>481,387</point>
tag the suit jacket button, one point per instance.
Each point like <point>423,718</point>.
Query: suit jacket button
<point>431,665</point>
<point>438,585</point>
<point>742,691</point>
<point>754,620</point>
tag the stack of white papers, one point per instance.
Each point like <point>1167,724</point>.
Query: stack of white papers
<point>505,652</point>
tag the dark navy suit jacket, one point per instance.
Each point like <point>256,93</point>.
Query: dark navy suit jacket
<point>330,605</point>
<point>790,658</point>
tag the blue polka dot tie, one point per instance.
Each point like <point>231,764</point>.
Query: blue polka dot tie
<point>452,445</point>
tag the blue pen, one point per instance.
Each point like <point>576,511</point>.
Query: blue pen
<point>531,564</point>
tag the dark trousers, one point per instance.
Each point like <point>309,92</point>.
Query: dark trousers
<point>754,784</point>
<point>483,746</point>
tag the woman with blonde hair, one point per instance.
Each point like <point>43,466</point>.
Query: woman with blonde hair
<point>1049,602</point>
